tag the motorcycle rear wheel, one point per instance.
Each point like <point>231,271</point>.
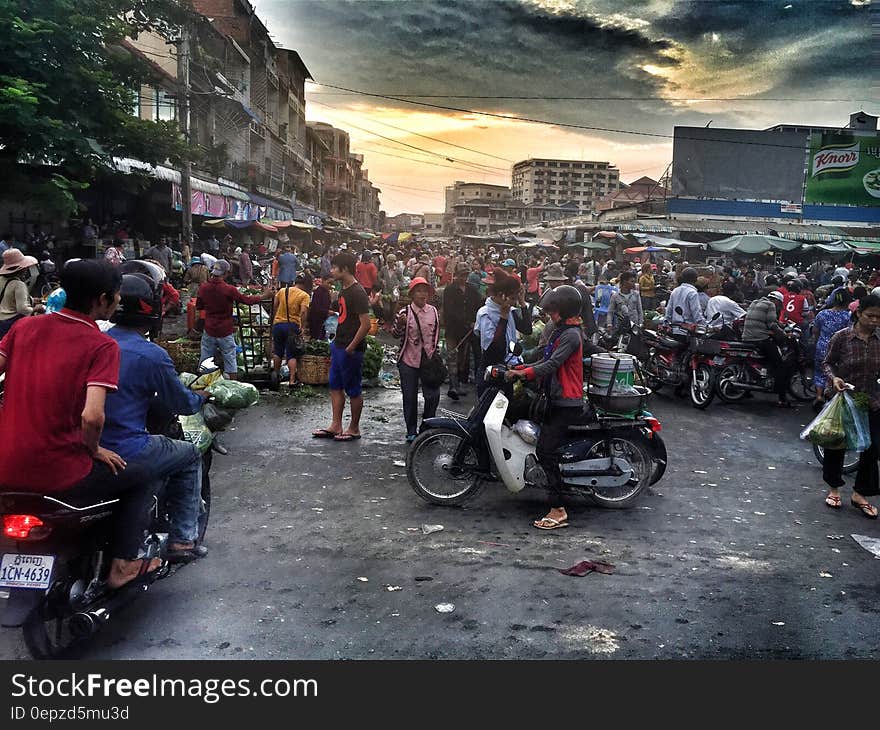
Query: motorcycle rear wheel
<point>850,459</point>
<point>650,373</point>
<point>46,630</point>
<point>727,392</point>
<point>428,463</point>
<point>643,470</point>
<point>702,384</point>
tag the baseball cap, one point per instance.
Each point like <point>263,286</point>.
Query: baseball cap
<point>508,262</point>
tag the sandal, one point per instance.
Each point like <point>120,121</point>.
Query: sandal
<point>186,554</point>
<point>548,523</point>
<point>347,437</point>
<point>833,501</point>
<point>869,510</point>
<point>324,433</point>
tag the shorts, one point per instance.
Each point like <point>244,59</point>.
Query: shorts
<point>280,344</point>
<point>227,348</point>
<point>346,370</point>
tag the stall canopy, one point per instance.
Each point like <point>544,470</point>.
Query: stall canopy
<point>289,224</point>
<point>651,249</point>
<point>754,243</point>
<point>648,239</point>
<point>591,246</point>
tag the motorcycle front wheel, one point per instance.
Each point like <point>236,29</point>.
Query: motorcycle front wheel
<point>702,388</point>
<point>441,467</point>
<point>728,392</point>
<point>642,465</point>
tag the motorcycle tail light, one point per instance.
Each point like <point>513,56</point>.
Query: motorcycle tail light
<point>24,527</point>
<point>654,424</point>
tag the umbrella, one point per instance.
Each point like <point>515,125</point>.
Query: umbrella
<point>591,246</point>
<point>754,243</point>
<point>650,238</point>
<point>650,249</point>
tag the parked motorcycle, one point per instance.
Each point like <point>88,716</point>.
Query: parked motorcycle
<point>54,560</point>
<point>611,459</point>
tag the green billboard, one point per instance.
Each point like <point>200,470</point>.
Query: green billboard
<point>843,170</point>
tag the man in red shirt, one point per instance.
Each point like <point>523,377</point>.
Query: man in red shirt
<point>440,261</point>
<point>215,298</point>
<point>59,368</point>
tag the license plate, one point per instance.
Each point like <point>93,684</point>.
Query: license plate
<point>26,571</point>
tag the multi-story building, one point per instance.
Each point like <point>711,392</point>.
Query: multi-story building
<point>556,182</point>
<point>338,177</point>
<point>433,223</point>
<point>410,222</point>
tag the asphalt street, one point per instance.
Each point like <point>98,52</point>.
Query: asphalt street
<point>317,552</point>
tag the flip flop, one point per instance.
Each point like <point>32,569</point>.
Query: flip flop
<point>832,501</point>
<point>548,523</point>
<point>323,433</point>
<point>347,437</point>
<point>868,510</point>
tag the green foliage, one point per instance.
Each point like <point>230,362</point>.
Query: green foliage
<point>67,88</point>
<point>373,358</point>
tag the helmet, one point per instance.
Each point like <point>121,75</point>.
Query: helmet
<point>777,295</point>
<point>140,303</point>
<point>565,299</point>
<point>151,270</point>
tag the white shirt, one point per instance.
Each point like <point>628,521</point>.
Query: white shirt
<point>727,308</point>
<point>843,272</point>
<point>208,260</point>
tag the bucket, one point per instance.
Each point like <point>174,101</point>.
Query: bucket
<point>602,369</point>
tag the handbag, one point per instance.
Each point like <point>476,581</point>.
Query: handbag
<point>432,369</point>
<point>295,344</point>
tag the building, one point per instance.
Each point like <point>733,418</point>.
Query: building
<point>410,222</point>
<point>795,173</point>
<point>645,195</point>
<point>480,208</point>
<point>433,223</point>
<point>338,175</point>
<point>555,182</point>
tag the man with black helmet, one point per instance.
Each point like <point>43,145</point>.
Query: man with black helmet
<point>561,369</point>
<point>147,379</point>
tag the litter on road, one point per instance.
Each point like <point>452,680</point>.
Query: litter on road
<point>444,608</point>
<point>588,566</point>
<point>428,529</point>
<point>871,544</point>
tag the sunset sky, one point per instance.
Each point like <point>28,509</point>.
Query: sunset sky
<point>808,61</point>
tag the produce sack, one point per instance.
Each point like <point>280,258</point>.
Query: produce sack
<point>855,423</point>
<point>196,432</point>
<point>216,418</point>
<point>232,394</point>
<point>827,429</point>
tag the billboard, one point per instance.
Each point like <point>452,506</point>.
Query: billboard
<point>843,170</point>
<point>738,164</point>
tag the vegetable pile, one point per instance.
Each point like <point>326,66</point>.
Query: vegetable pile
<point>373,358</point>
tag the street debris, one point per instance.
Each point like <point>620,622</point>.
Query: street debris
<point>586,567</point>
<point>871,544</point>
<point>393,588</point>
<point>363,580</point>
<point>772,468</point>
<point>398,462</point>
<point>840,537</point>
<point>699,471</point>
<point>444,608</point>
<point>428,529</point>
<point>825,574</point>
<point>778,623</point>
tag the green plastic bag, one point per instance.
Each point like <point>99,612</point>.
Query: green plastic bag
<point>196,432</point>
<point>855,423</point>
<point>828,428</point>
<point>232,394</point>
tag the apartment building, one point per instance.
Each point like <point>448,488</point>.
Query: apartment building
<point>556,182</point>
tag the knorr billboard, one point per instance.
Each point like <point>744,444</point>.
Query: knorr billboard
<point>843,170</point>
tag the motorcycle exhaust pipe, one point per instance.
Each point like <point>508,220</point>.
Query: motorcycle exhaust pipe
<point>88,623</point>
<point>745,386</point>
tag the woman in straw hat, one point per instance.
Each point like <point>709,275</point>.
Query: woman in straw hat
<point>15,302</point>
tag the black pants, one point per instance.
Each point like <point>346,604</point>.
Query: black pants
<point>132,486</point>
<point>781,368</point>
<point>867,477</point>
<point>554,432</point>
<point>409,386</point>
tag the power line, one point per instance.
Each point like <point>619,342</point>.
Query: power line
<point>569,125</point>
<point>426,162</point>
<point>589,98</point>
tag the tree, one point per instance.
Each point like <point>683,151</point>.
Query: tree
<point>67,91</point>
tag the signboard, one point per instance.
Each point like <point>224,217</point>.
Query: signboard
<point>791,208</point>
<point>843,170</point>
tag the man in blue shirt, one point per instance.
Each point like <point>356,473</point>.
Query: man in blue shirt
<point>147,378</point>
<point>287,265</point>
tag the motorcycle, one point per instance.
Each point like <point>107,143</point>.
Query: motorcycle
<point>666,354</point>
<point>611,459</point>
<point>745,370</point>
<point>54,561</point>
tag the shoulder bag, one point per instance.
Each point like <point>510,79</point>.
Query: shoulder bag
<point>432,369</point>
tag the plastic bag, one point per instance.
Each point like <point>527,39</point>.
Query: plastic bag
<point>827,429</point>
<point>855,423</point>
<point>196,432</point>
<point>205,379</point>
<point>216,418</point>
<point>232,394</point>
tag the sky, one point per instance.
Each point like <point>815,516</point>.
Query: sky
<point>727,63</point>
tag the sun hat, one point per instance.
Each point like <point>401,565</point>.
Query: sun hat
<point>14,260</point>
<point>417,281</point>
<point>555,273</point>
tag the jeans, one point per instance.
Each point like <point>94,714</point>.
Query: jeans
<point>226,345</point>
<point>458,357</point>
<point>179,463</point>
<point>409,385</point>
<point>867,477</point>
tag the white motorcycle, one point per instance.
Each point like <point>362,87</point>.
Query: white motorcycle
<point>609,458</point>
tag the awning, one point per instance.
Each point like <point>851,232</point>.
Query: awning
<point>234,193</point>
<point>289,224</point>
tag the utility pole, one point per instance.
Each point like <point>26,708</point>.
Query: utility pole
<point>183,120</point>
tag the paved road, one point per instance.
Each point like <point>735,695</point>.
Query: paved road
<point>707,564</point>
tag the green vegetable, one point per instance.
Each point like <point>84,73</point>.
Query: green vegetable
<point>373,357</point>
<point>321,348</point>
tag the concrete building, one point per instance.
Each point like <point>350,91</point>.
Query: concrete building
<point>433,223</point>
<point>555,182</point>
<point>410,222</point>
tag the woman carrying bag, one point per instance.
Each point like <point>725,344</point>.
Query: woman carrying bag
<point>15,302</point>
<point>418,326</point>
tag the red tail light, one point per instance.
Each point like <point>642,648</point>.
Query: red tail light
<point>654,424</point>
<point>24,527</point>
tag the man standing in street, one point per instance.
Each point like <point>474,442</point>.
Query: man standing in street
<point>685,297</point>
<point>161,254</point>
<point>625,308</point>
<point>347,351</point>
<point>287,266</point>
<point>215,298</point>
<point>460,304</point>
